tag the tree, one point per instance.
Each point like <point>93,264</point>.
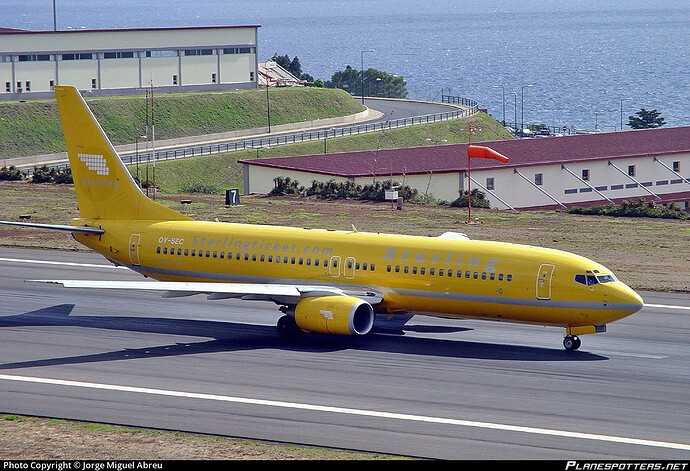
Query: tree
<point>376,83</point>
<point>292,65</point>
<point>646,119</point>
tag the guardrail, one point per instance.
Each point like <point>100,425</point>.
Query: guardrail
<point>298,137</point>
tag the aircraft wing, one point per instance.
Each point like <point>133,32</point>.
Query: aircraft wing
<point>278,293</point>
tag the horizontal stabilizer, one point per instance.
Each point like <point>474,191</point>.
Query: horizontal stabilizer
<point>56,227</point>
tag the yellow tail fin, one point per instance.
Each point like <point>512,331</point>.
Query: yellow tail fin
<point>104,187</point>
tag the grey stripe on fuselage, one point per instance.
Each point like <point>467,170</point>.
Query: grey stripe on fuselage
<point>442,295</point>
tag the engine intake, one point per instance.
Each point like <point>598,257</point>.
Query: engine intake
<point>340,315</point>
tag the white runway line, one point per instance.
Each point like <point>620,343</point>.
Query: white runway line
<point>356,412</point>
<point>50,262</point>
<point>666,306</point>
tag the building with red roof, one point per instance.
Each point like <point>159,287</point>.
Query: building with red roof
<point>541,172</point>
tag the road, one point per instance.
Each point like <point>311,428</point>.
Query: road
<point>436,389</point>
<point>391,113</point>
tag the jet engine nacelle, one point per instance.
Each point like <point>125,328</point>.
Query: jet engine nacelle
<point>342,315</point>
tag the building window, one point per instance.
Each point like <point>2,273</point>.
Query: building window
<point>490,183</point>
<point>676,166</point>
<point>33,57</point>
<point>585,174</point>
<point>631,170</point>
<point>198,52</point>
<point>8,86</point>
<point>28,86</point>
<point>213,78</point>
<point>93,83</point>
<point>118,55</point>
<point>74,57</point>
<point>166,53</point>
<point>52,84</point>
<point>174,79</point>
<point>19,87</point>
<point>538,178</point>
<point>251,76</point>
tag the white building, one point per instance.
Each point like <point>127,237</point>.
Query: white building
<point>118,60</point>
<point>541,173</point>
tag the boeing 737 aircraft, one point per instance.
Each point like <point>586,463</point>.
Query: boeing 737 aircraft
<point>324,281</point>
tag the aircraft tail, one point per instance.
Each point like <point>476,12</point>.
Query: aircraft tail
<point>104,187</point>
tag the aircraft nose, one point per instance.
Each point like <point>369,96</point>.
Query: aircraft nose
<point>628,299</point>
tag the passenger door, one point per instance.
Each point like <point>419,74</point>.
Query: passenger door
<point>134,240</point>
<point>544,281</point>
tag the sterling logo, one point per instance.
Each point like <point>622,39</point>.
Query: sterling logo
<point>95,162</point>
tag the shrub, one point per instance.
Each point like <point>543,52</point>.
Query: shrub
<point>478,200</point>
<point>45,174</point>
<point>11,173</point>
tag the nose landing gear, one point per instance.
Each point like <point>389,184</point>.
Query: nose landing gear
<point>572,342</point>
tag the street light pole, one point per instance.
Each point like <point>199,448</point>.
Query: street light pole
<point>362,73</point>
<point>622,100</point>
<point>522,108</point>
<point>503,91</point>
<point>515,112</point>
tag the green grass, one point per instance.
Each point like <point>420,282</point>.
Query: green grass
<point>33,127</point>
<point>172,175</point>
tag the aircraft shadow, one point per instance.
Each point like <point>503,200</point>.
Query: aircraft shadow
<point>232,336</point>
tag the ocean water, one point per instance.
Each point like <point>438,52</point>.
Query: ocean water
<point>563,63</point>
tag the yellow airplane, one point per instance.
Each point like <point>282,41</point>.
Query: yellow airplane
<point>324,281</point>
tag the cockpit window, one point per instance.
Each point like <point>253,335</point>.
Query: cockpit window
<point>606,278</point>
<point>589,280</point>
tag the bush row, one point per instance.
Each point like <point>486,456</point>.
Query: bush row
<point>637,208</point>
<point>372,192</point>
<point>43,174</point>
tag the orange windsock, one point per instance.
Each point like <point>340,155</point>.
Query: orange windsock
<point>481,152</point>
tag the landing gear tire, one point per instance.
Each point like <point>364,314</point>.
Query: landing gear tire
<point>287,328</point>
<point>572,342</point>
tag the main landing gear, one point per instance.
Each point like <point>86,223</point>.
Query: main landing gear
<point>572,342</point>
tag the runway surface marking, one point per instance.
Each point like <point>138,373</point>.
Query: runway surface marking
<point>50,262</point>
<point>666,306</point>
<point>347,411</point>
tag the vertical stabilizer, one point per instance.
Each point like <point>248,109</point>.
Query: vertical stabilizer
<point>104,187</point>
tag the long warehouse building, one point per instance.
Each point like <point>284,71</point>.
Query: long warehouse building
<point>115,61</point>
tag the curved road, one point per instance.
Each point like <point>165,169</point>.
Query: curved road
<point>436,389</point>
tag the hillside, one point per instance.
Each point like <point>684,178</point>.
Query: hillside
<point>33,127</point>
<point>205,173</point>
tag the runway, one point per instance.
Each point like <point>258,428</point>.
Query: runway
<point>433,388</point>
